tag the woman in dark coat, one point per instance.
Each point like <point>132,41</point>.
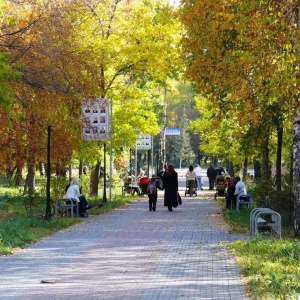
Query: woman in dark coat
<point>170,183</point>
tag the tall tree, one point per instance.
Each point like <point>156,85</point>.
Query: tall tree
<point>247,52</point>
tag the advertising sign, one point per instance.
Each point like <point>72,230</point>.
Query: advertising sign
<point>144,142</point>
<point>172,131</point>
<point>95,119</point>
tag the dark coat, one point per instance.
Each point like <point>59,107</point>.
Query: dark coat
<point>211,172</point>
<point>170,182</point>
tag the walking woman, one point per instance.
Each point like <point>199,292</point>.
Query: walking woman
<point>170,183</point>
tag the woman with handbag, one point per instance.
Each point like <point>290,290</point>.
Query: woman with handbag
<point>170,184</point>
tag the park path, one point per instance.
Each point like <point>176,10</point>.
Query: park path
<point>131,253</point>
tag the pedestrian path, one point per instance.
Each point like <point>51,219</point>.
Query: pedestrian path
<point>131,253</point>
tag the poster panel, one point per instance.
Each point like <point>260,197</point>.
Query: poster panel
<point>95,119</point>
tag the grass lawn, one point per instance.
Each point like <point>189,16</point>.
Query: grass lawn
<point>270,267</point>
<point>22,221</point>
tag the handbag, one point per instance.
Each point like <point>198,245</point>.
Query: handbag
<point>179,200</point>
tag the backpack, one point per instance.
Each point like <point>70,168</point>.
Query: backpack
<point>151,189</point>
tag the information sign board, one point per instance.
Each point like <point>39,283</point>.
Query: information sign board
<point>172,131</point>
<point>144,142</point>
<point>95,119</point>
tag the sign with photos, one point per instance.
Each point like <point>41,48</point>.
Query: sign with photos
<point>95,119</point>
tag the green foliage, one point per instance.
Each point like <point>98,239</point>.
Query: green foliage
<point>6,74</point>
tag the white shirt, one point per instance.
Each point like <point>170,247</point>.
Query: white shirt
<point>198,171</point>
<point>73,192</point>
<point>190,175</point>
<point>240,188</point>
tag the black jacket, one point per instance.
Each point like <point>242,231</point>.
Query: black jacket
<point>170,182</point>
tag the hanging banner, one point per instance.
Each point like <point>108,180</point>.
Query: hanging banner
<point>95,119</point>
<point>144,142</point>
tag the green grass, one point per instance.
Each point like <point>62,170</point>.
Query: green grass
<point>270,267</point>
<point>22,220</point>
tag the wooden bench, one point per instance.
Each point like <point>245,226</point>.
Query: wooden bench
<point>131,189</point>
<point>64,206</point>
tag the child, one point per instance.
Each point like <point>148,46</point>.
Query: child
<point>152,193</point>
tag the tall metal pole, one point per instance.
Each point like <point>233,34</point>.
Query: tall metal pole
<point>110,151</point>
<point>135,164</point>
<point>164,129</point>
<point>48,201</point>
<point>152,154</point>
<point>104,178</point>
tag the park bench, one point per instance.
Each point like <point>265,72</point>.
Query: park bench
<point>243,200</point>
<point>265,220</point>
<point>66,206</point>
<point>131,189</point>
<point>126,189</point>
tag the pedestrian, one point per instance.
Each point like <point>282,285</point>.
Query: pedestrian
<point>198,172</point>
<point>170,183</point>
<point>230,203</point>
<point>152,192</point>
<point>143,182</point>
<point>191,178</point>
<point>240,188</point>
<point>212,175</point>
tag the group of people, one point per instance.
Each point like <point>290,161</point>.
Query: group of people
<point>166,180</point>
<point>235,187</point>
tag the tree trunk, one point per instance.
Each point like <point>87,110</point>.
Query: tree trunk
<point>230,169</point>
<point>18,176</point>
<point>95,179</point>
<point>30,181</point>
<point>257,170</point>
<point>80,169</point>
<point>296,173</point>
<point>245,167</point>
<point>278,158</point>
<point>70,171</point>
<point>265,165</point>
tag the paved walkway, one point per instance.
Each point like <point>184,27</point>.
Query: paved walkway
<point>130,253</point>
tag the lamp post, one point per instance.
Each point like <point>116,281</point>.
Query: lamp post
<point>48,206</point>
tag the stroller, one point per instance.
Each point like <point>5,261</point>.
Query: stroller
<point>220,186</point>
<point>194,191</point>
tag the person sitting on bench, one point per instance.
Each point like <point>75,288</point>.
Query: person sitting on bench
<point>240,188</point>
<point>73,192</point>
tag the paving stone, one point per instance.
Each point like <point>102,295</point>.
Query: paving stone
<point>131,253</point>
